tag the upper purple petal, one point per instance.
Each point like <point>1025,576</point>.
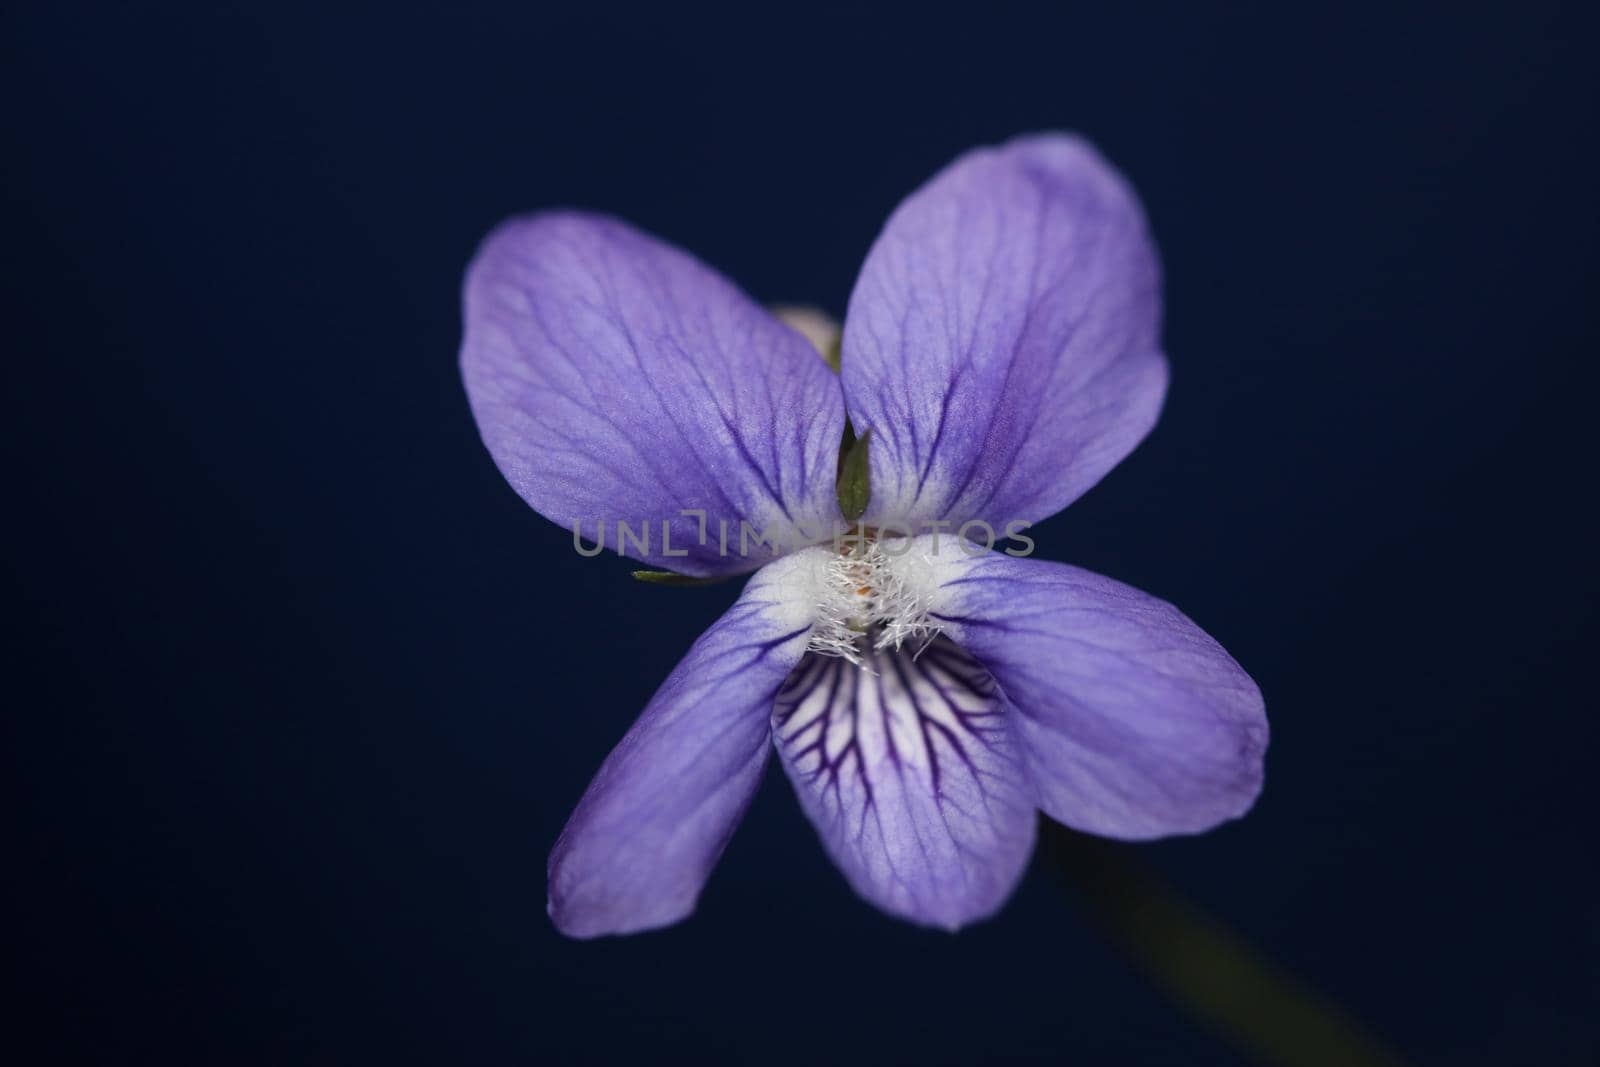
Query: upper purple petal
<point>1133,722</point>
<point>616,378</point>
<point>1002,341</point>
<point>652,824</point>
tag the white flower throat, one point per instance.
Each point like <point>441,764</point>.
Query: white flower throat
<point>873,598</point>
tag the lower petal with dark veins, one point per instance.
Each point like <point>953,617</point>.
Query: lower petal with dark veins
<point>908,769</point>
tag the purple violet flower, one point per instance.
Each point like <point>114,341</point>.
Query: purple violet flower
<point>925,697</point>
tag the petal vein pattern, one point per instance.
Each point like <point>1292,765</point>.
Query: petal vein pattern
<point>1003,337</point>
<point>615,378</point>
<point>906,766</point>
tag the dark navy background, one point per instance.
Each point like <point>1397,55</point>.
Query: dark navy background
<point>303,693</point>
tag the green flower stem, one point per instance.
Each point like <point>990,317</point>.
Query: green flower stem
<point>1209,972</point>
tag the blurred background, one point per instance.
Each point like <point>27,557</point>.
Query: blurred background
<point>301,693</point>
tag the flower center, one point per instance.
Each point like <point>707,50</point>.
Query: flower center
<point>873,598</point>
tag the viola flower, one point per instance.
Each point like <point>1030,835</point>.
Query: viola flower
<point>925,698</point>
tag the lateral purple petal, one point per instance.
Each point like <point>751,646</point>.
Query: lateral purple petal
<point>1002,341</point>
<point>909,771</point>
<point>615,378</point>
<point>1133,722</point>
<point>665,803</point>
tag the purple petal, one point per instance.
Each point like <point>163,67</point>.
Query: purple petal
<point>1002,342</point>
<point>616,378</point>
<point>1133,722</point>
<point>907,769</point>
<point>641,843</point>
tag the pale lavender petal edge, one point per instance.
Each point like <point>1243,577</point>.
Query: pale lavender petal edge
<point>658,814</point>
<point>1134,722</point>
<point>1003,338</point>
<point>615,378</point>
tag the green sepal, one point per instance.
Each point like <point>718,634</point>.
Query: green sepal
<point>854,487</point>
<point>673,578</point>
<point>831,356</point>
